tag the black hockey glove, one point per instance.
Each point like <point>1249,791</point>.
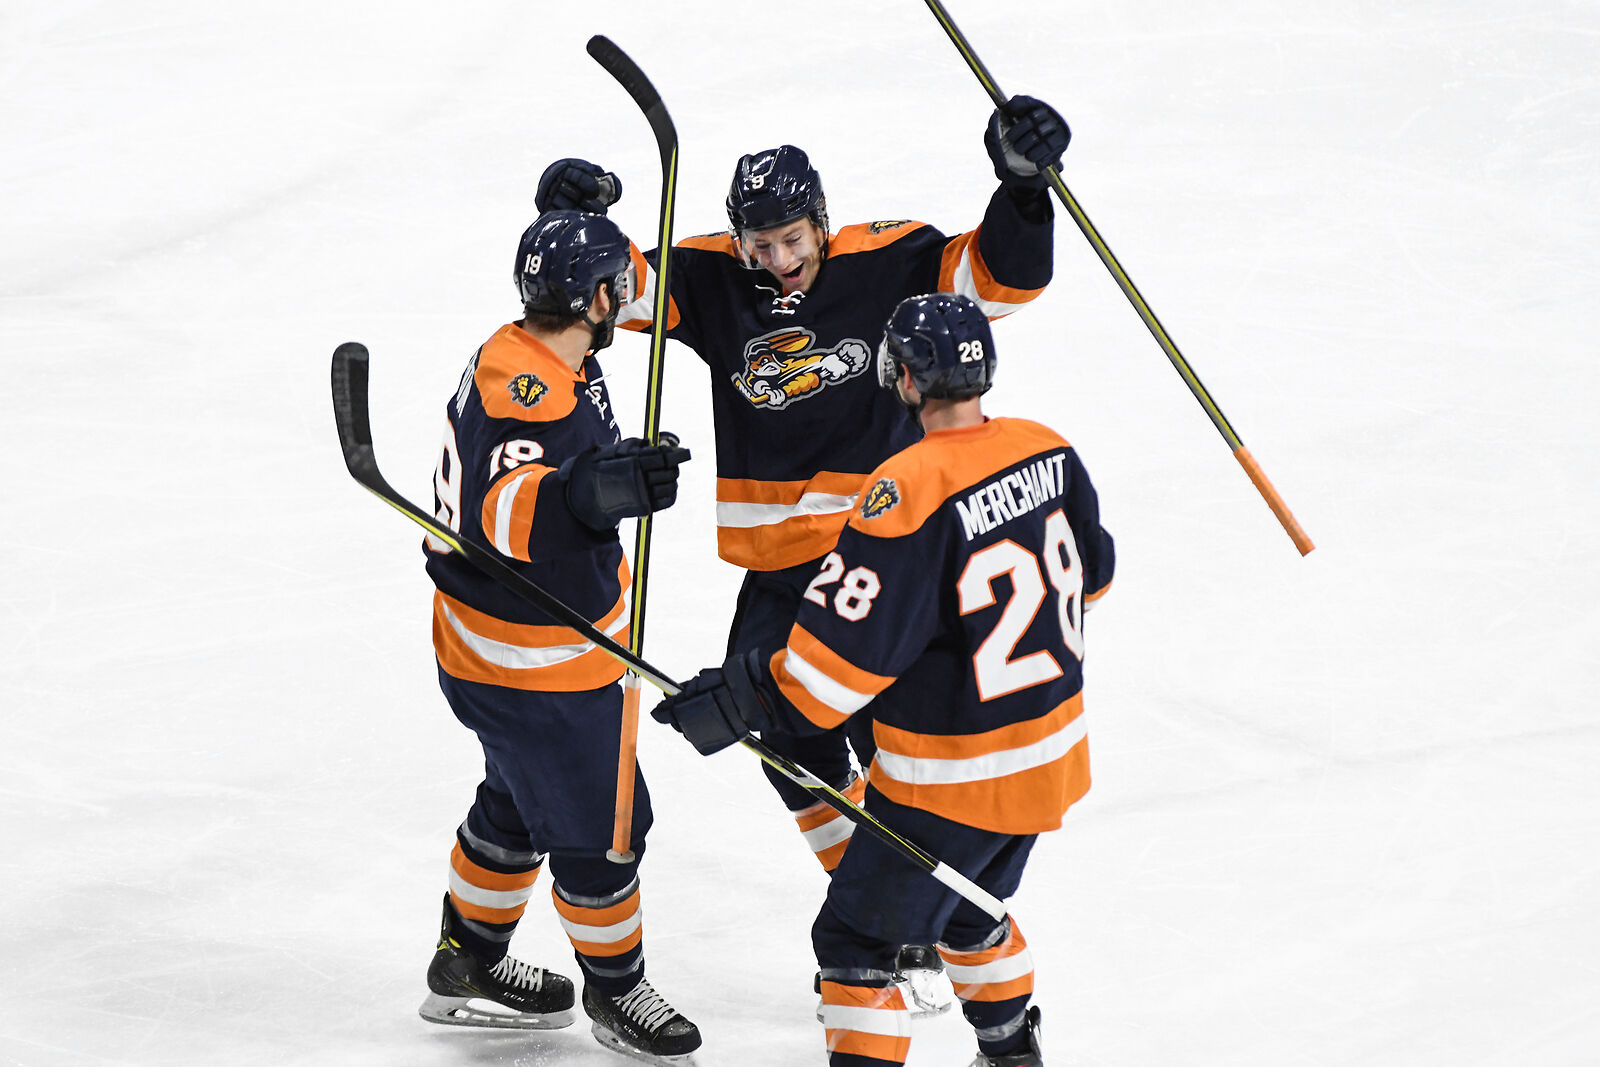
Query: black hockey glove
<point>624,480</point>
<point>577,184</point>
<point>719,707</point>
<point>1024,137</point>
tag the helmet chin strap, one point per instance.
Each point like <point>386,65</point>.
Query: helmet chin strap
<point>602,332</point>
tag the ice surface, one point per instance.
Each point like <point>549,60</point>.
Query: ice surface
<point>1346,807</point>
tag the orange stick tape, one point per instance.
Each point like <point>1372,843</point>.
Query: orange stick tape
<point>1274,501</point>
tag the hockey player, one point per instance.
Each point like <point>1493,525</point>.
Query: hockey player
<point>951,610</point>
<point>787,316</point>
<point>532,466</point>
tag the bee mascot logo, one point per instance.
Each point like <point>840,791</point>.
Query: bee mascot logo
<point>527,389</point>
<point>883,495</point>
<point>782,367</point>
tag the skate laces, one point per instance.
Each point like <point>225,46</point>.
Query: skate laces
<point>645,1006</point>
<point>516,973</point>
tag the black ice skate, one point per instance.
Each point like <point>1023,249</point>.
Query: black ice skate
<point>465,991</point>
<point>1029,1056</point>
<point>641,1024</point>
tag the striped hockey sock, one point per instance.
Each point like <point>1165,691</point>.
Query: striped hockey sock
<point>866,1020</point>
<point>827,831</point>
<point>490,887</point>
<point>993,980</point>
<point>607,933</point>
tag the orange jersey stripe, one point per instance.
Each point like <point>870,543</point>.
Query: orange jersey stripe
<point>826,687</point>
<point>962,270</point>
<point>924,472</point>
<point>639,315</point>
<point>476,647</point>
<point>508,509</point>
<point>1027,802</point>
<point>509,390</point>
<point>770,525</point>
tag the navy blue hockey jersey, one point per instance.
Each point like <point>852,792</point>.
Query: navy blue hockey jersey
<point>800,419</point>
<point>957,592</point>
<point>519,412</point>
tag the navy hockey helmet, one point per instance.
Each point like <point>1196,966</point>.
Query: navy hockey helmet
<point>944,341</point>
<point>773,187</point>
<point>564,255</point>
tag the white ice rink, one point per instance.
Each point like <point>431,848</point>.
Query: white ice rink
<point>1347,807</point>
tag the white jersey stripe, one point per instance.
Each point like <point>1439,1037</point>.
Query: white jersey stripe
<point>521,657</point>
<point>741,515</point>
<point>503,505</point>
<point>840,698</point>
<point>965,285</point>
<point>919,770</point>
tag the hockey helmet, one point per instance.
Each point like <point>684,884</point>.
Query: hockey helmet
<point>773,187</point>
<point>944,341</point>
<point>564,255</point>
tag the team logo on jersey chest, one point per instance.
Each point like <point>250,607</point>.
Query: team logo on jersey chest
<point>887,224</point>
<point>783,366</point>
<point>883,495</point>
<point>527,389</point>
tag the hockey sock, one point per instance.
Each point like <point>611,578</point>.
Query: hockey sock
<point>489,889</point>
<point>993,979</point>
<point>826,830</point>
<point>866,1020</point>
<point>607,935</point>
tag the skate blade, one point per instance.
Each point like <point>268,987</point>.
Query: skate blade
<point>473,1011</point>
<point>616,1044</point>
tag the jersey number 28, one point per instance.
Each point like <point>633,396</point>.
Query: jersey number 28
<point>996,671</point>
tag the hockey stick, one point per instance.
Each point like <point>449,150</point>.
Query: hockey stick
<point>1240,452</point>
<point>627,72</point>
<point>350,416</point>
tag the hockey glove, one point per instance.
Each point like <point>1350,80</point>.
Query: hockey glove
<point>1024,137</point>
<point>719,707</point>
<point>624,480</point>
<point>577,184</point>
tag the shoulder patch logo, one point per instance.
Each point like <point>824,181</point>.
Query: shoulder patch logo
<point>887,224</point>
<point>527,389</point>
<point>883,496</point>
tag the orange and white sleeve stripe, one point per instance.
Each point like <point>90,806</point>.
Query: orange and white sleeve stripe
<point>964,272</point>
<point>826,687</point>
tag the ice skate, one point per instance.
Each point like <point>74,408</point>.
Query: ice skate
<point>1030,1056</point>
<point>465,991</point>
<point>642,1025</point>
